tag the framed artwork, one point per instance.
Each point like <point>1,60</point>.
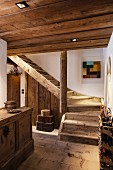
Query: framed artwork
<point>91,69</point>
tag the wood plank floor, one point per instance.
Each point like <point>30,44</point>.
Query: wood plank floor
<point>52,154</point>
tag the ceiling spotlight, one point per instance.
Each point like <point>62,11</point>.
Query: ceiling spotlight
<point>74,40</point>
<point>22,4</point>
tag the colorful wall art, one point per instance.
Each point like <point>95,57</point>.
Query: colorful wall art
<point>91,69</point>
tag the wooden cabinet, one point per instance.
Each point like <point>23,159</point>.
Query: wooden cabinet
<point>106,146</point>
<point>16,142</point>
<point>7,144</point>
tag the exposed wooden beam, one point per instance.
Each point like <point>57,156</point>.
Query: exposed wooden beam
<point>8,7</point>
<point>63,82</point>
<point>71,10</point>
<point>37,76</point>
<point>98,22</point>
<point>80,36</point>
<point>61,46</point>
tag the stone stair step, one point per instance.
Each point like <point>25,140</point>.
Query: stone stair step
<point>91,140</point>
<point>74,125</point>
<point>82,108</point>
<point>70,93</point>
<point>83,116</point>
<point>78,122</point>
<point>79,97</point>
<point>81,132</point>
<point>83,101</point>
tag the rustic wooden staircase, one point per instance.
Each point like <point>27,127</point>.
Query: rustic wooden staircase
<point>50,83</point>
<point>37,73</point>
<point>80,123</point>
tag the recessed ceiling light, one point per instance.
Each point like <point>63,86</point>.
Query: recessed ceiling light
<point>74,39</point>
<point>22,4</point>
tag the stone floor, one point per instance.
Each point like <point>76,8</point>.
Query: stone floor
<point>52,154</point>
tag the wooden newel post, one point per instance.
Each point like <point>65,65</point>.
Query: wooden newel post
<point>63,82</point>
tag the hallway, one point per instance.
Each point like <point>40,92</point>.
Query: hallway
<point>52,154</point>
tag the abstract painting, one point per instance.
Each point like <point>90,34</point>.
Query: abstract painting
<point>91,69</point>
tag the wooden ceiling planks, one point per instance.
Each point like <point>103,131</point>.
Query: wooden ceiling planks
<point>8,7</point>
<point>104,21</point>
<point>57,47</point>
<point>80,36</point>
<point>48,24</point>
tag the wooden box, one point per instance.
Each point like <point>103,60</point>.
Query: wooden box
<point>47,127</point>
<point>45,119</point>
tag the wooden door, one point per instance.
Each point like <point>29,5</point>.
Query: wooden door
<point>13,88</point>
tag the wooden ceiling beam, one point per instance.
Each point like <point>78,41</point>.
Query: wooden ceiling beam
<point>80,36</point>
<point>60,47</point>
<point>71,10</point>
<point>8,7</point>
<point>98,22</point>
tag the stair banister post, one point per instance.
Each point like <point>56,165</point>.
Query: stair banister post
<point>63,82</point>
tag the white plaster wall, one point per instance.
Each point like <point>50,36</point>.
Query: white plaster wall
<point>51,63</point>
<point>109,54</point>
<point>3,72</point>
<point>93,87</point>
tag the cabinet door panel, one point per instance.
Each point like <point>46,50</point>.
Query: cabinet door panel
<point>24,130</point>
<point>7,144</point>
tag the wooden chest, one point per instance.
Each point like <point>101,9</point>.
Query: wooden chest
<point>16,142</point>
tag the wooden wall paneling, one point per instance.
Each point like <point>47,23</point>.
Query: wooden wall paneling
<point>40,98</point>
<point>55,103</point>
<point>31,96</point>
<point>44,98</point>
<point>36,100</point>
<point>9,87</point>
<point>63,82</point>
<point>13,88</point>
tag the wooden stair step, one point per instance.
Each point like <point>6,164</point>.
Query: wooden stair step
<point>90,140</point>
